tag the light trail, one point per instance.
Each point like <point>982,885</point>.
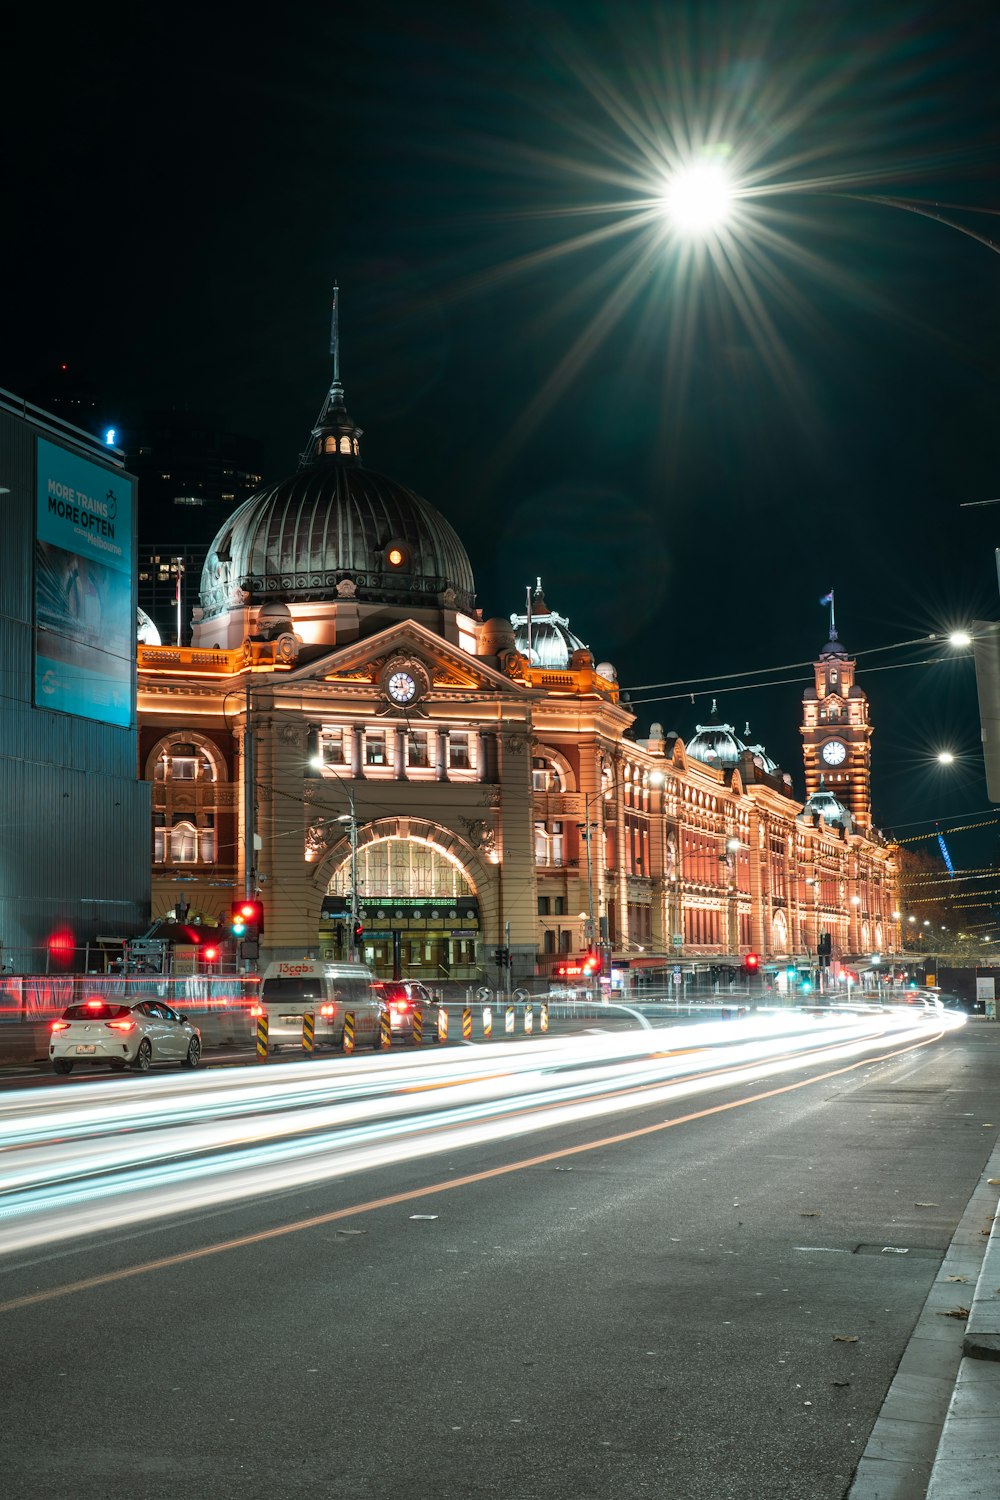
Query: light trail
<point>75,1162</point>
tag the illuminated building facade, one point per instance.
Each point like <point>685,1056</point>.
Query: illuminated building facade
<point>497,794</point>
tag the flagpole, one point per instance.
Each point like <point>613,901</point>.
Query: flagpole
<point>833,619</point>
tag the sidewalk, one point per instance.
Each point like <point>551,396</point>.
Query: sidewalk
<point>937,1436</point>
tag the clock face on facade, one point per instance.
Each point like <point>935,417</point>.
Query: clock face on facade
<point>401,687</point>
<point>834,752</point>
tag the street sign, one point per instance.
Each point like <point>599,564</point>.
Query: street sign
<point>678,940</point>
<point>678,977</point>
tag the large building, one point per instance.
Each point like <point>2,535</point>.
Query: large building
<point>75,818</point>
<point>487,768</point>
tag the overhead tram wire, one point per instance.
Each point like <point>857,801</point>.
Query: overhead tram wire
<point>692,682</point>
<point>749,687</point>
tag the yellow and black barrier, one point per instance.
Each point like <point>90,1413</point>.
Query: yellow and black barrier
<point>509,1020</point>
<point>543,1017</point>
<point>262,1036</point>
<point>529,1020</point>
<point>308,1031</point>
<point>487,1022</point>
<point>385,1030</point>
<point>442,1024</point>
<point>347,1041</point>
<point>418,1026</point>
<point>467,1025</point>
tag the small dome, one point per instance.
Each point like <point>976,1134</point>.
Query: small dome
<point>715,743</point>
<point>833,647</point>
<point>655,729</point>
<point>607,671</point>
<point>824,804</point>
<point>496,635</point>
<point>759,754</point>
<point>552,642</point>
<point>146,633</point>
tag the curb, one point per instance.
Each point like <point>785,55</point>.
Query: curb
<point>921,1438</point>
<point>982,1331</point>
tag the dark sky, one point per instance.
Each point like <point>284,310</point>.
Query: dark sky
<point>688,453</point>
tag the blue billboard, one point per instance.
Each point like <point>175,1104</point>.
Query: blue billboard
<point>84,606</point>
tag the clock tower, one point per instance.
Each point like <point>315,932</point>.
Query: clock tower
<point>836,732</point>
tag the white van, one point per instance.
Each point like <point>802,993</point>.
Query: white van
<point>329,990</point>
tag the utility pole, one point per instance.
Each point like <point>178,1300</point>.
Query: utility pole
<point>249,814</point>
<point>354,875</point>
<point>586,827</point>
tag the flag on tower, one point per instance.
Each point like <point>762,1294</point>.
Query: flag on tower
<point>827,598</point>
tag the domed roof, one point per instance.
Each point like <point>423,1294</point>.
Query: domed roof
<point>544,637</point>
<point>758,752</point>
<point>336,527</point>
<point>146,633</point>
<point>715,743</point>
<point>824,804</point>
<point>335,520</point>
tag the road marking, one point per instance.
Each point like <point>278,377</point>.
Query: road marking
<point>393,1200</point>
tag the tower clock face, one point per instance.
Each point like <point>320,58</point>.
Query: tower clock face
<point>401,687</point>
<point>834,752</point>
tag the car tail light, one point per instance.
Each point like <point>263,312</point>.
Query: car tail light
<point>60,1026</point>
<point>120,1025</point>
<point>94,1004</point>
<point>401,1005</point>
<point>327,1010</point>
<point>256,1010</point>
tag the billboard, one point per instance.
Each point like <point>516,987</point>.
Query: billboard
<point>84,607</point>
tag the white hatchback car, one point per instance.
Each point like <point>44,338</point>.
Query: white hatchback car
<point>104,1033</point>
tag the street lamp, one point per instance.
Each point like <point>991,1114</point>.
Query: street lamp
<point>699,198</point>
<point>349,817</point>
<point>945,757</point>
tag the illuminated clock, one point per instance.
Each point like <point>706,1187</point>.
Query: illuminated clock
<point>401,687</point>
<point>833,752</point>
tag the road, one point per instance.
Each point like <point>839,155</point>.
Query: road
<point>565,1268</point>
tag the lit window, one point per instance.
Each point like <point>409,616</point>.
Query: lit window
<point>183,844</point>
<point>375,747</point>
<point>345,445</point>
<point>417,749</point>
<point>333,749</point>
<point>395,557</point>
<point>458,752</point>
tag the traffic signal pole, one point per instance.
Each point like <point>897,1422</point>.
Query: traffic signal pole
<point>355,923</point>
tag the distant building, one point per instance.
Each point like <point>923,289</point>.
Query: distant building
<point>498,797</point>
<point>75,817</point>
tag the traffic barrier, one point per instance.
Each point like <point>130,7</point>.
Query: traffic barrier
<point>347,1041</point>
<point>385,1030</point>
<point>487,1022</point>
<point>442,1024</point>
<point>529,1020</point>
<point>467,1025</point>
<point>309,1031</point>
<point>508,1025</point>
<point>418,1026</point>
<point>262,1036</point>
<point>543,1017</point>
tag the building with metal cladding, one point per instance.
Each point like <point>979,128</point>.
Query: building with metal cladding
<point>74,817</point>
<point>453,785</point>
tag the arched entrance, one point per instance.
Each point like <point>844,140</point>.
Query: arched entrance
<point>417,903</point>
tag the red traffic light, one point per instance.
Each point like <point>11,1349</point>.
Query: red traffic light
<point>210,954</point>
<point>752,961</point>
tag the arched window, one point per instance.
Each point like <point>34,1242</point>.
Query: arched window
<point>186,772</point>
<point>184,844</point>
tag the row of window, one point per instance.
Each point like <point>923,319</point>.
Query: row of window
<point>379,748</point>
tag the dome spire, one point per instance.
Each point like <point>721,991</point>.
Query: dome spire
<point>335,435</point>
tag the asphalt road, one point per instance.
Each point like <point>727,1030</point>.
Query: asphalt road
<point>665,1314</point>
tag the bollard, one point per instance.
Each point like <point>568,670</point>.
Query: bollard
<point>487,1022</point>
<point>442,1024</point>
<point>529,1020</point>
<point>543,1017</point>
<point>309,1031</point>
<point>262,1036</point>
<point>508,1024</point>
<point>385,1030</point>
<point>347,1040</point>
<point>418,1026</point>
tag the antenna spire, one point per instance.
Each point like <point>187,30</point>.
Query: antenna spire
<point>335,333</point>
<point>335,433</point>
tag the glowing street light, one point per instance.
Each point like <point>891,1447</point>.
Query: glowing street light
<point>699,198</point>
<point>945,758</point>
<point>960,638</point>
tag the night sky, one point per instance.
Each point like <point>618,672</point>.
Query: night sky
<point>689,452</point>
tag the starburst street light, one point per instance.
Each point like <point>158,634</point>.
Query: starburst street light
<point>699,198</point>
<point>945,757</point>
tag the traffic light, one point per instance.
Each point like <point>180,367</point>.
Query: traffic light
<point>210,955</point>
<point>359,932</point>
<point>752,963</point>
<point>501,957</point>
<point>824,948</point>
<point>246,919</point>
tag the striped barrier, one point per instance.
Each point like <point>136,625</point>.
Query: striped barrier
<point>543,1017</point>
<point>442,1024</point>
<point>467,1026</point>
<point>508,1025</point>
<point>385,1030</point>
<point>487,1022</point>
<point>347,1041</point>
<point>262,1036</point>
<point>418,1026</point>
<point>529,1020</point>
<point>308,1031</point>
